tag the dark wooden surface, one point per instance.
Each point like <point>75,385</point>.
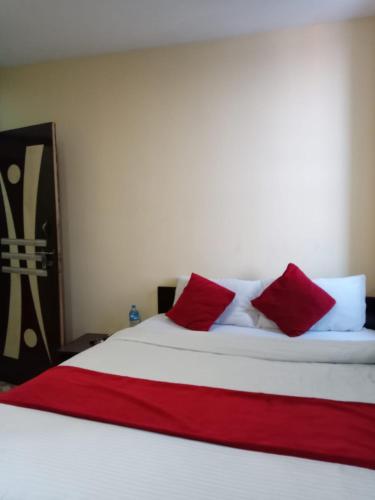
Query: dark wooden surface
<point>79,345</point>
<point>38,309</point>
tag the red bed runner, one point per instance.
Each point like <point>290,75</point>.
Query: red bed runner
<point>334,431</point>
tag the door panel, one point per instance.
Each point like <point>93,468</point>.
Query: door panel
<point>31,313</point>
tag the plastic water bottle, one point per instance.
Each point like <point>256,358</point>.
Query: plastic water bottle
<point>134,316</point>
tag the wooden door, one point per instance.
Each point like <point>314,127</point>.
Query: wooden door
<point>31,313</point>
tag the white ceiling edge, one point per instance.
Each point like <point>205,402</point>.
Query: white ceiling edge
<point>44,30</point>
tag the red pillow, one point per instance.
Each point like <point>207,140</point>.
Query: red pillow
<point>200,304</point>
<point>294,302</point>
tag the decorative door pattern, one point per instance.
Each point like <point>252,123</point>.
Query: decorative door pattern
<point>31,315</point>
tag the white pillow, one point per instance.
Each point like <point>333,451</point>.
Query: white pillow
<point>240,312</point>
<point>181,283</point>
<point>349,312</point>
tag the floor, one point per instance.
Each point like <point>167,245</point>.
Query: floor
<point>4,386</point>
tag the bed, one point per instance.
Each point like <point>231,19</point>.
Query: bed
<point>50,456</point>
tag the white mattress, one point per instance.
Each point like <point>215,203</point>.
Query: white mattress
<point>44,456</point>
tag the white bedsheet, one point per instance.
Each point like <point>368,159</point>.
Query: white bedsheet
<point>44,456</point>
<point>331,347</point>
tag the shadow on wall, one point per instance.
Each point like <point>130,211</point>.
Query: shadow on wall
<point>361,258</point>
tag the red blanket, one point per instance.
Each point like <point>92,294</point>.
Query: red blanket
<point>333,431</point>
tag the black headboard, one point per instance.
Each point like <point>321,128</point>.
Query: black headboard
<point>370,313</point>
<point>166,298</point>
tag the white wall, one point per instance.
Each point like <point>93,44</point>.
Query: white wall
<point>229,158</point>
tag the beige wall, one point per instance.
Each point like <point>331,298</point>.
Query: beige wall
<point>229,158</point>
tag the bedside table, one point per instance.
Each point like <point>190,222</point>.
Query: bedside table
<point>79,345</point>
